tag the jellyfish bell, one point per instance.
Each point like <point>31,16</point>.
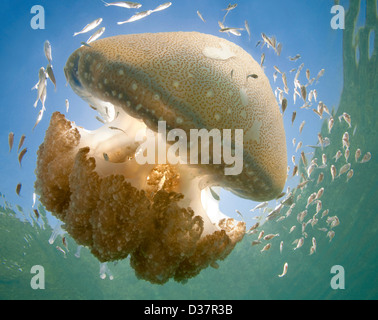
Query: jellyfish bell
<point>162,215</point>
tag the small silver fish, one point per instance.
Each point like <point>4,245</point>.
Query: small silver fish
<point>10,140</point>
<point>357,155</point>
<point>330,235</point>
<point>266,248</point>
<point>162,7</point>
<point>255,242</point>
<point>298,56</point>
<point>262,59</point>
<point>284,270</point>
<point>330,124</point>
<point>344,169</point>
<point>279,48</point>
<point>123,4</point>
<point>320,140</point>
<point>310,169</point>
<point>41,85</point>
<point>320,74</point>
<point>254,227</point>
<point>301,216</point>
<point>201,17</point>
<point>320,193</point>
<point>137,17</point>
<point>292,229</point>
<point>21,155</point>
<point>228,9</point>
<point>350,174</point>
<point>325,213</point>
<point>89,26</point>
<point>284,105</point>
<point>260,206</point>
<point>301,127</point>
<point>47,50</point>
<point>96,35</point>
<point>346,154</point>
<point>295,171</point>
<point>303,93</point>
<point>366,157</point>
<point>320,177</point>
<point>333,172</point>
<point>308,74</point>
<point>333,221</point>
<point>299,145</point>
<point>18,189</point>
<point>324,160</point>
<point>345,140</point>
<point>277,69</point>
<point>294,115</point>
<point>254,76</point>
<point>300,243</point>
<point>67,105</point>
<point>39,117</point>
<point>20,144</point>
<point>347,119</point>
<point>284,79</point>
<point>270,236</point>
<point>337,155</point>
<point>61,250</point>
<point>311,199</point>
<point>318,206</point>
<point>50,73</point>
<point>261,234</point>
<point>247,28</point>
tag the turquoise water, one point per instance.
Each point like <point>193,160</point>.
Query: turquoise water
<point>348,85</point>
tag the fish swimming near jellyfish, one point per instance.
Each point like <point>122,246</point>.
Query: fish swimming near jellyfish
<point>89,27</point>
<point>96,35</point>
<point>10,140</point>
<point>366,158</point>
<point>50,73</point>
<point>286,265</point>
<point>18,189</point>
<point>21,155</point>
<point>246,25</point>
<point>21,143</point>
<point>136,17</point>
<point>266,248</point>
<point>199,14</point>
<point>162,7</point>
<point>47,50</point>
<point>123,4</point>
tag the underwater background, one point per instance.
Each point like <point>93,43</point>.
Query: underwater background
<point>348,85</point>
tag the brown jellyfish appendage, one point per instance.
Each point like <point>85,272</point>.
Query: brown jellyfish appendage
<point>114,219</point>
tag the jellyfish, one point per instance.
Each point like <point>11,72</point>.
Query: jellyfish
<point>161,215</point>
